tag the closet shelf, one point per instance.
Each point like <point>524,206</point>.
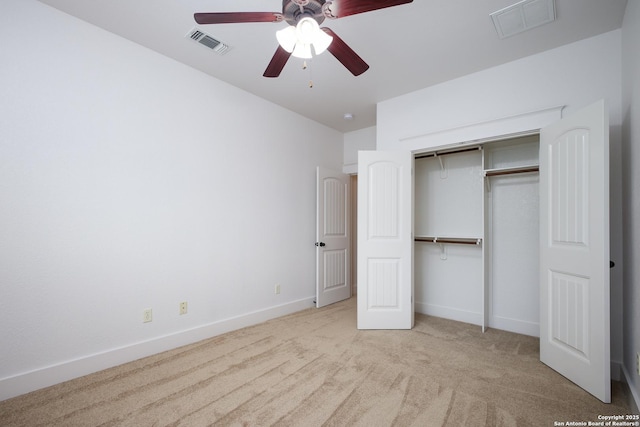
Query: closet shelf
<point>455,240</point>
<point>509,171</point>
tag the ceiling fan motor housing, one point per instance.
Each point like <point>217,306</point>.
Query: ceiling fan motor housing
<point>295,10</point>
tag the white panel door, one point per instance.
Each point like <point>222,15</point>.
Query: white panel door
<point>332,237</point>
<point>574,249</point>
<point>385,240</point>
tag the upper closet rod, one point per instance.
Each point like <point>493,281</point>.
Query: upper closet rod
<point>452,151</point>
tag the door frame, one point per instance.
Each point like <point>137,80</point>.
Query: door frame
<point>353,231</point>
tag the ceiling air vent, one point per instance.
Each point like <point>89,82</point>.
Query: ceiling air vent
<point>208,41</point>
<point>523,16</point>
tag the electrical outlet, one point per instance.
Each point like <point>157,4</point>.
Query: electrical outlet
<point>183,307</point>
<point>147,315</point>
<point>277,289</point>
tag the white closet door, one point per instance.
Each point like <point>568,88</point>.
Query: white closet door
<point>574,243</point>
<point>385,240</point>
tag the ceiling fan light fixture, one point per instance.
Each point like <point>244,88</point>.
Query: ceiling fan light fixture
<point>299,39</point>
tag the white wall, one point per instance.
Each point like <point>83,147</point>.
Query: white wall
<point>631,192</point>
<point>363,139</point>
<point>574,75</point>
<point>129,181</point>
<point>498,101</point>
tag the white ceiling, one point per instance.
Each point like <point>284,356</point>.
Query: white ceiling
<point>408,47</point>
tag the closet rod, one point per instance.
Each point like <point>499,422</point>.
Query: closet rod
<point>452,151</point>
<point>509,171</point>
<point>456,240</point>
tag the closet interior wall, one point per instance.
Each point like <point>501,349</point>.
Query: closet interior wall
<point>476,234</point>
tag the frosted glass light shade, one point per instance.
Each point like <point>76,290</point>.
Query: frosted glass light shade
<point>302,51</point>
<point>306,30</point>
<point>321,42</point>
<point>287,38</point>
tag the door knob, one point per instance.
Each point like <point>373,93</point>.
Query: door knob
<point>320,244</point>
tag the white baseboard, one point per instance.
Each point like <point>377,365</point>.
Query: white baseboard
<point>515,325</point>
<point>449,313</point>
<point>45,377</point>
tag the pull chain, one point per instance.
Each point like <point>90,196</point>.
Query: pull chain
<point>305,67</point>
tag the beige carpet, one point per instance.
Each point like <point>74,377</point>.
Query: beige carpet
<point>315,368</point>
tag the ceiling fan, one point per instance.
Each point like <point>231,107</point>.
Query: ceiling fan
<point>304,18</point>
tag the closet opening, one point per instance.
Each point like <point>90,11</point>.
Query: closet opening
<point>476,233</point>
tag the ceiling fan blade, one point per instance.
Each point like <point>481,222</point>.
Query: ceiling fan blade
<point>345,54</point>
<point>237,17</point>
<point>344,8</point>
<point>277,63</point>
